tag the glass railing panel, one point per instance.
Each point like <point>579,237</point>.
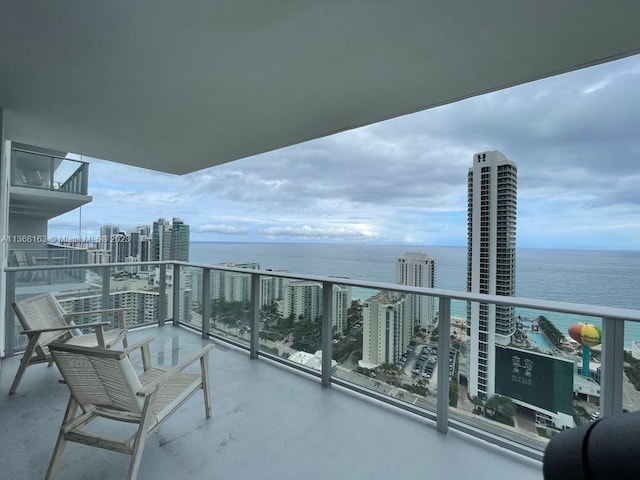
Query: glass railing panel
<point>631,369</point>
<point>290,320</point>
<point>194,277</point>
<point>229,302</point>
<point>45,257</point>
<point>529,385</point>
<point>36,170</point>
<point>136,289</point>
<point>73,297</point>
<point>390,348</point>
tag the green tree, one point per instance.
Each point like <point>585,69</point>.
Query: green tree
<point>478,403</point>
<point>507,407</point>
<point>492,404</point>
<point>453,394</point>
<point>503,408</point>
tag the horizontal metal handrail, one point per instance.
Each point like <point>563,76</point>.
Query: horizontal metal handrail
<point>613,313</point>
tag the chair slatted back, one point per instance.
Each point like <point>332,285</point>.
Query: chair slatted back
<point>42,311</point>
<point>21,259</point>
<point>99,377</point>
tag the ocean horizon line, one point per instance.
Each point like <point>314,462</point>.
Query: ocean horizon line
<point>408,245</point>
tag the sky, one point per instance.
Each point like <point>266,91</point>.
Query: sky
<point>575,138</point>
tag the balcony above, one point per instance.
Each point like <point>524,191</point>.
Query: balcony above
<point>268,423</point>
<point>45,184</point>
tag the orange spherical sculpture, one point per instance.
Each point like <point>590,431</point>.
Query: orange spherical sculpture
<point>585,334</point>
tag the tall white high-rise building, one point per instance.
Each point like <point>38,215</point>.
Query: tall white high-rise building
<point>491,263</point>
<point>386,328</point>
<point>418,270</point>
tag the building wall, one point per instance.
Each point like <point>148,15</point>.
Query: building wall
<point>303,299</point>
<point>20,225</point>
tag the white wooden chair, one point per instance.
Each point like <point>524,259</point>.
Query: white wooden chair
<point>104,384</point>
<point>44,322</point>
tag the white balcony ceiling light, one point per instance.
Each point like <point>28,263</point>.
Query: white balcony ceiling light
<point>180,87</point>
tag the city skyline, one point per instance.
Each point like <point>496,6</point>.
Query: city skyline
<point>403,181</point>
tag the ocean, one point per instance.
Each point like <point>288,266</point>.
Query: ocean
<point>595,277</point>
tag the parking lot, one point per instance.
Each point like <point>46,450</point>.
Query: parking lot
<point>421,360</point>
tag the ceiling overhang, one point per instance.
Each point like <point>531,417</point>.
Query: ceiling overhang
<point>178,88</point>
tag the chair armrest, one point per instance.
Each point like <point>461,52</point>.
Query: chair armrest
<point>89,312</point>
<point>141,344</point>
<point>68,327</point>
<point>151,387</point>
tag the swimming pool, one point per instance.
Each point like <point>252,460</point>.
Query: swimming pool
<point>528,335</point>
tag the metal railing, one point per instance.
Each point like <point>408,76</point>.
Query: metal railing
<point>171,306</point>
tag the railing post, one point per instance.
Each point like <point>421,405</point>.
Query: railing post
<point>162,293</point>
<point>327,332</point>
<point>85,178</point>
<point>612,361</point>
<point>106,289</point>
<point>206,301</point>
<point>176,295</point>
<point>51,172</point>
<point>444,345</point>
<point>254,315</point>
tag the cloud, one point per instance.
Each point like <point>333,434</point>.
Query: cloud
<point>222,229</point>
<point>305,231</point>
<point>574,139</point>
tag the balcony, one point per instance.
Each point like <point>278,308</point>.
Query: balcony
<point>45,184</point>
<point>268,422</point>
<point>271,415</point>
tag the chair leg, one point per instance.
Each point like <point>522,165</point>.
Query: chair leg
<point>24,362</point>
<point>141,436</point>
<point>204,369</point>
<point>54,464</point>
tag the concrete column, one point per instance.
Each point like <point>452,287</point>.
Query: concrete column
<point>5,164</point>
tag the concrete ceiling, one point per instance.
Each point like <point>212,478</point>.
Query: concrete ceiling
<point>179,87</point>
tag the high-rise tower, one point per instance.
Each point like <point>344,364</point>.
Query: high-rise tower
<point>418,270</point>
<point>179,240</point>
<point>170,241</point>
<point>491,263</point>
<point>161,235</point>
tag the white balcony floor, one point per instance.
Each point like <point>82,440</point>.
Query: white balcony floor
<point>268,422</point>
